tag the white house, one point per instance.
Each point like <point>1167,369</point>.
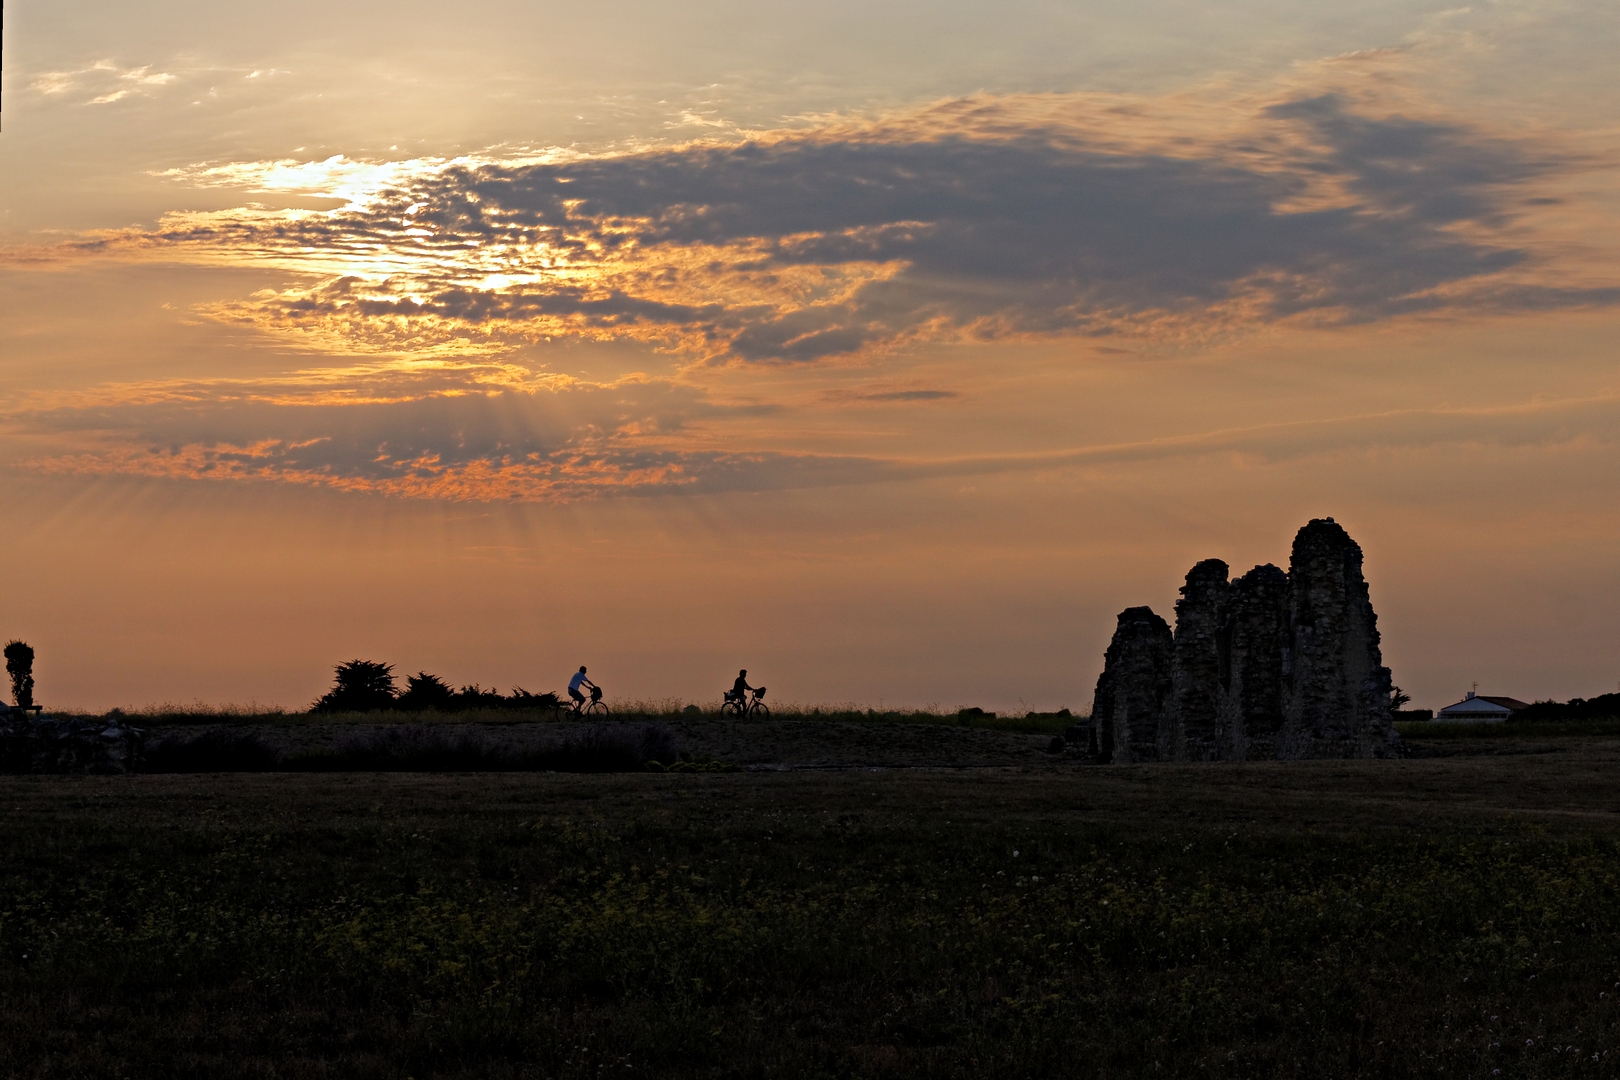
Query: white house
<point>1480,709</point>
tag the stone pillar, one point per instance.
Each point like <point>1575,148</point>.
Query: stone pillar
<point>1252,646</point>
<point>1131,705</point>
<point>1193,733</point>
<point>1336,700</point>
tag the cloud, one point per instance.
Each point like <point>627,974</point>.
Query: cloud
<point>453,434</point>
<point>559,439</point>
<point>886,395</point>
<point>106,80</point>
<point>1538,425</point>
<point>983,219</point>
<point>987,219</point>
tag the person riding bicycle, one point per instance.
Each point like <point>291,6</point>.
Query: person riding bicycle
<point>737,701</point>
<point>740,688</point>
<point>575,683</point>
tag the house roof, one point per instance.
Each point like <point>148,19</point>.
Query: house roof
<point>1482,703</point>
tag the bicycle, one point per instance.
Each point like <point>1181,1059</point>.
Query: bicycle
<point>595,707</point>
<point>749,705</point>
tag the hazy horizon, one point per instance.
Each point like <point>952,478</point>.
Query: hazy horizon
<point>886,350</point>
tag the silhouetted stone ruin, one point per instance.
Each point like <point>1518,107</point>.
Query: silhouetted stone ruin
<point>1133,694</point>
<point>1271,665</point>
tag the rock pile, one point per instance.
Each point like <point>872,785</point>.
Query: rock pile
<point>49,744</point>
<point>1271,665</point>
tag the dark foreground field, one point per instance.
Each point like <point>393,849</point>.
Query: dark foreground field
<point>1447,916</point>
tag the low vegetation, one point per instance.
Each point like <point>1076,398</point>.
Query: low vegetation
<point>1510,729</point>
<point>362,686</point>
<point>420,748</point>
<point>366,687</point>
<point>1602,707</point>
<point>1291,919</point>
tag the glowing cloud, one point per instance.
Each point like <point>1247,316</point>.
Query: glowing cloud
<point>988,219</point>
<point>975,219</point>
<point>113,82</point>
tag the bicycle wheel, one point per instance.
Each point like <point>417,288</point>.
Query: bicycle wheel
<point>759,711</point>
<point>596,708</point>
<point>731,708</point>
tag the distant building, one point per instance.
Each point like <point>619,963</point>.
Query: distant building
<point>1481,709</point>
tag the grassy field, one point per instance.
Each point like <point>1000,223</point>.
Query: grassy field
<point>1440,917</point>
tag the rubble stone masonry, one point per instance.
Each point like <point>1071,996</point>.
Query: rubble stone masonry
<point>1270,666</point>
<point>1133,694</point>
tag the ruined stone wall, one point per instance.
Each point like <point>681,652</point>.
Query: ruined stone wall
<point>1336,697</point>
<point>1272,665</point>
<point>1194,729</point>
<point>1256,649</point>
<point>1130,710</point>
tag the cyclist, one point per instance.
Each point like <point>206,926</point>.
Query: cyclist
<point>575,683</point>
<point>740,688</point>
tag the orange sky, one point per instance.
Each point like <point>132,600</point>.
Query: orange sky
<point>891,371</point>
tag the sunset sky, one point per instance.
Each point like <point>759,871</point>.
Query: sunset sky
<point>886,349</point>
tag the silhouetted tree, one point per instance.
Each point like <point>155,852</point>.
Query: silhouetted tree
<point>1398,699</point>
<point>361,686</point>
<point>20,666</point>
<point>424,691</point>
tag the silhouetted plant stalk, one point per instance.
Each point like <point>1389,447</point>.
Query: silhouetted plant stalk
<point>20,666</point>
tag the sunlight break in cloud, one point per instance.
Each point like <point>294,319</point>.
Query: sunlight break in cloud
<point>986,218</point>
<point>981,219</point>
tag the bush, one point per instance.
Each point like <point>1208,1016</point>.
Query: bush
<point>361,686</point>
<point>473,697</point>
<point>367,687</point>
<point>522,699</point>
<point>424,692</point>
<point>1602,707</point>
